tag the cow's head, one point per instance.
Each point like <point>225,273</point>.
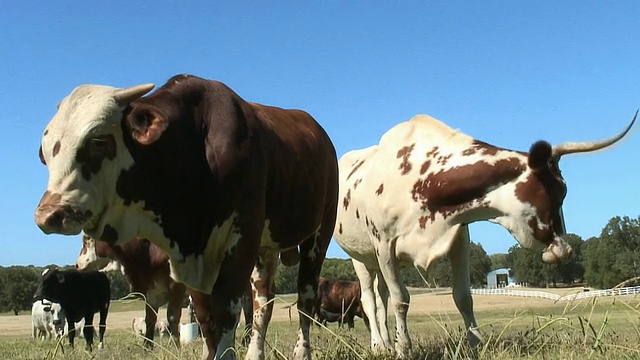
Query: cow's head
<point>84,151</point>
<point>51,286</point>
<point>92,256</point>
<point>57,315</point>
<point>535,217</point>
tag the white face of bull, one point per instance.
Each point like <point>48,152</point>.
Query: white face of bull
<point>83,149</point>
<point>88,258</point>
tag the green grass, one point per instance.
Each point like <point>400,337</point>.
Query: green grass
<point>590,329</point>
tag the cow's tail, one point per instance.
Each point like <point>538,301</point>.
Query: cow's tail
<point>288,307</point>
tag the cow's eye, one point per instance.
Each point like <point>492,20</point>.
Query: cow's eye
<point>99,145</point>
<point>99,142</point>
<point>97,148</point>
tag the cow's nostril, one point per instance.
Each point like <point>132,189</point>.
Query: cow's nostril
<point>55,219</point>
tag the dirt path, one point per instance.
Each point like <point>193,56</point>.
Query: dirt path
<point>420,304</point>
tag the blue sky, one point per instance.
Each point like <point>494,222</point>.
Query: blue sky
<point>506,72</point>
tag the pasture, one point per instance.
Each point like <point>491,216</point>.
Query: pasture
<point>513,328</point>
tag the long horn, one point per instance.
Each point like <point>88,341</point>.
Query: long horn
<point>125,96</point>
<point>575,147</point>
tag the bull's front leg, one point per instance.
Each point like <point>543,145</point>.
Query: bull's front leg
<point>226,299</point>
<point>71,331</point>
<point>177,293</point>
<point>262,280</point>
<point>88,331</point>
<point>150,318</point>
<point>202,308</point>
<point>312,254</point>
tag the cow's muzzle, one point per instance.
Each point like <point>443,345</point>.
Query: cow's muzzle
<point>60,219</point>
<point>557,252</point>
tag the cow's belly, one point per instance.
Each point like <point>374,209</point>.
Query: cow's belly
<point>413,244</point>
<point>158,294</point>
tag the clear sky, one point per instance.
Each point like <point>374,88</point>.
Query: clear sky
<point>506,72</point>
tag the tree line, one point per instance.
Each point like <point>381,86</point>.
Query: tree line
<point>600,262</point>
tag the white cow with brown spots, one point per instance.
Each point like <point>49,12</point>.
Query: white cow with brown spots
<point>408,201</point>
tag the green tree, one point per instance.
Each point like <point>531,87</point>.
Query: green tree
<point>499,261</point>
<point>119,285</point>
<point>286,281</point>
<point>341,269</point>
<point>18,283</point>
<point>571,269</point>
<point>527,266</point>
<point>614,256</point>
<point>479,265</point>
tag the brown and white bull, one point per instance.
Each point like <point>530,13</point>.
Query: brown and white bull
<point>146,268</point>
<point>338,300</point>
<point>219,183</point>
<point>408,201</point>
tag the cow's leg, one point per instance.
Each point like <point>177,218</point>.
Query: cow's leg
<point>247,312</point>
<point>177,293</point>
<point>349,318</point>
<point>312,254</point>
<point>202,308</point>
<point>262,280</point>
<point>459,256</point>
<point>382,298</point>
<point>368,300</point>
<point>226,296</point>
<point>102,325</point>
<point>88,331</point>
<point>399,296</point>
<point>71,331</point>
<point>150,319</point>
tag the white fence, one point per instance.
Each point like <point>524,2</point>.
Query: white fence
<point>555,297</point>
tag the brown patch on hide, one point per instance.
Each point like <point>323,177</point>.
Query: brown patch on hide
<point>405,153</point>
<point>450,190</point>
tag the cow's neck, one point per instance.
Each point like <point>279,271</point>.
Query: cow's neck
<point>486,193</point>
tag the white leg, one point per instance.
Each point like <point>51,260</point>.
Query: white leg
<point>459,256</point>
<point>368,300</point>
<point>382,298</point>
<point>399,297</point>
<point>261,285</point>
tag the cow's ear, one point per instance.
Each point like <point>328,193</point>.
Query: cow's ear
<point>60,278</point>
<point>539,156</point>
<point>146,126</point>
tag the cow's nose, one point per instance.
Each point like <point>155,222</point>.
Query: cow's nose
<point>50,218</point>
<point>56,322</point>
<point>60,219</point>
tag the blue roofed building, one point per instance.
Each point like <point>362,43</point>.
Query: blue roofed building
<point>500,278</point>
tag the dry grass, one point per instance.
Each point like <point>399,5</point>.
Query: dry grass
<point>514,328</point>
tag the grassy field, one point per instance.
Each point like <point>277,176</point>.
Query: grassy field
<point>513,328</point>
